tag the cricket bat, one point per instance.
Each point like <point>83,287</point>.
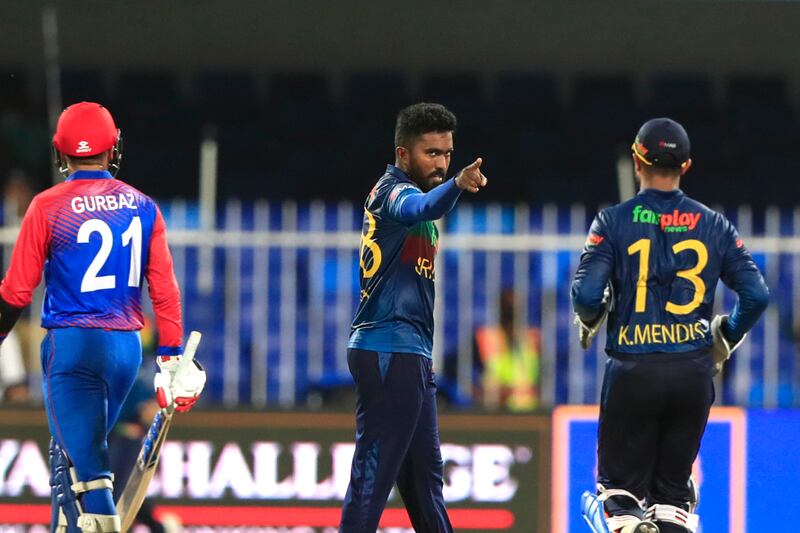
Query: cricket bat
<point>136,489</point>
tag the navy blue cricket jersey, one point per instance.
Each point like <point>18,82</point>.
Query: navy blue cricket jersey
<point>397,272</point>
<point>662,253</point>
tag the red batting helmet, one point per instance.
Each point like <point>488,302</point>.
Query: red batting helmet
<point>87,129</point>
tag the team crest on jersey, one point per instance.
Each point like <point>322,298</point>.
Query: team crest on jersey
<point>675,222</point>
<point>420,248</point>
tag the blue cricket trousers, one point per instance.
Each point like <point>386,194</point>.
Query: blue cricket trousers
<point>653,413</point>
<point>87,375</point>
<point>397,440</point>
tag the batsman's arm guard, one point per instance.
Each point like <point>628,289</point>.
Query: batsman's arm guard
<point>721,348</point>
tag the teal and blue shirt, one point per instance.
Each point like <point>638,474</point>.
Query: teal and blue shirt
<point>399,242</point>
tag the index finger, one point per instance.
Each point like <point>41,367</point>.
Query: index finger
<point>476,164</point>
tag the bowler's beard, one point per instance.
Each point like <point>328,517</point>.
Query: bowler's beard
<point>428,181</point>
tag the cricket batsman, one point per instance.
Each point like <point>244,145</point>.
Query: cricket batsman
<point>96,238</point>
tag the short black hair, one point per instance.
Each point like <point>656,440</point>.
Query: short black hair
<point>422,118</point>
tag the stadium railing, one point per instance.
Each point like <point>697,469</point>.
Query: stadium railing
<point>275,285</point>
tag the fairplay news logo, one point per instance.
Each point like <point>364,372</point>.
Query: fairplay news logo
<point>675,222</point>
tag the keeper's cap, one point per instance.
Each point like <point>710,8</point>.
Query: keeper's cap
<point>663,143</point>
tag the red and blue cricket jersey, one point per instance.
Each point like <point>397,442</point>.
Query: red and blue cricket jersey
<point>96,238</point>
<point>663,253</point>
<point>399,242</point>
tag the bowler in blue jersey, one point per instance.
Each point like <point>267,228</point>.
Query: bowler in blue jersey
<point>651,265</point>
<point>391,343</point>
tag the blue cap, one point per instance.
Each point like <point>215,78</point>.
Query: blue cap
<point>663,143</point>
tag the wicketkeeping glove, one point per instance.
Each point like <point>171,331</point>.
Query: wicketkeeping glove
<point>587,332</point>
<point>722,348</point>
<point>181,385</point>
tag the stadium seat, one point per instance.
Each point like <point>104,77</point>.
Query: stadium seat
<point>459,91</point>
<point>525,97</point>
<point>81,85</point>
<point>305,86</point>
<point>224,96</point>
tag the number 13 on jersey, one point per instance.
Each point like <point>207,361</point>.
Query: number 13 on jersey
<point>642,247</point>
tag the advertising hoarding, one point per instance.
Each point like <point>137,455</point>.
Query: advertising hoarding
<point>289,472</point>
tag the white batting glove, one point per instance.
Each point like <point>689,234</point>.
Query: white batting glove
<point>182,386</point>
<point>722,348</point>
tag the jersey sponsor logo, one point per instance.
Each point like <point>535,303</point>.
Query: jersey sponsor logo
<point>675,222</point>
<point>594,239</point>
<point>103,202</point>
<point>662,333</point>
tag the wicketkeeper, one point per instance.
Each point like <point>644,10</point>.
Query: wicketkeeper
<point>651,264</point>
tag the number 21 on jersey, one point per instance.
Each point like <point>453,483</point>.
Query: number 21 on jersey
<point>131,237</point>
<point>642,247</point>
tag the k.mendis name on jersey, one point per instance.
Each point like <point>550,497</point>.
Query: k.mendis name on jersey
<point>662,333</point>
<point>103,202</point>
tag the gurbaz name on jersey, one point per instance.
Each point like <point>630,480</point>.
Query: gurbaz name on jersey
<point>662,333</point>
<point>103,202</point>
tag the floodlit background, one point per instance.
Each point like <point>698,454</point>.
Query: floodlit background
<point>261,126</point>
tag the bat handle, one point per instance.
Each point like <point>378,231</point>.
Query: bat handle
<point>189,350</point>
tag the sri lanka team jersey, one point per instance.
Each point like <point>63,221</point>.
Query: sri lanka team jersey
<point>662,254</point>
<point>395,313</point>
<point>95,237</point>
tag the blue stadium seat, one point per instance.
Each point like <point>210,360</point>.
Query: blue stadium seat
<point>684,97</point>
<point>760,112</point>
<point>461,92</point>
<point>302,86</point>
<point>82,85</point>
<point>145,98</point>
<point>224,96</point>
<point>372,99</point>
<point>525,97</point>
<point>156,86</point>
<point>606,106</point>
